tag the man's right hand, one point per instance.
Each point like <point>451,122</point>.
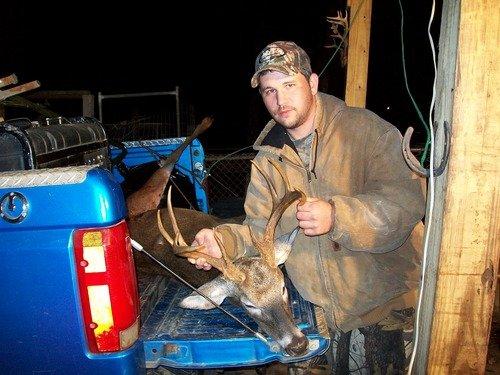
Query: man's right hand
<point>206,237</point>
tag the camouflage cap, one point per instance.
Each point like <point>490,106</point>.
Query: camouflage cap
<point>284,57</point>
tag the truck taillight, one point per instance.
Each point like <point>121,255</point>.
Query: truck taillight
<point>108,287</point>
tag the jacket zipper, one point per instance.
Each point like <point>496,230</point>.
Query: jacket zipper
<point>312,157</point>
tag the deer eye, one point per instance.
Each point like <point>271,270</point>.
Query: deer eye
<point>249,305</point>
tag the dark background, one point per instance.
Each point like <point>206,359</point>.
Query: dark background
<point>208,50</point>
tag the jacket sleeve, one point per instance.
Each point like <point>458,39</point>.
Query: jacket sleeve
<point>391,203</point>
<point>258,205</point>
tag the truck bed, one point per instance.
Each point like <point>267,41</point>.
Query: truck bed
<point>197,339</point>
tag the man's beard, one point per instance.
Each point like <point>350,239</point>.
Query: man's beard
<point>290,125</point>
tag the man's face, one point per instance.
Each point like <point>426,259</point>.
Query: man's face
<point>289,99</point>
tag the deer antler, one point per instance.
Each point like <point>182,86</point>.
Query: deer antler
<point>181,248</point>
<point>339,22</point>
<point>149,195</point>
<point>336,22</point>
<point>266,244</point>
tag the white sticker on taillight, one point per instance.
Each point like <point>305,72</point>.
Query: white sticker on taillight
<point>100,309</point>
<point>94,255</point>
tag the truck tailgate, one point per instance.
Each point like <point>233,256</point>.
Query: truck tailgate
<point>41,324</point>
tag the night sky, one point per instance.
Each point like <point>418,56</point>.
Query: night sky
<point>208,50</point>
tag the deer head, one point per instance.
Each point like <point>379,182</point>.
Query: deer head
<point>256,283</point>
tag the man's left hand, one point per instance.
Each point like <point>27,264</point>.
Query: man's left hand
<point>315,216</point>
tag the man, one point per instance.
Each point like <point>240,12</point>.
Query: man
<point>357,255</point>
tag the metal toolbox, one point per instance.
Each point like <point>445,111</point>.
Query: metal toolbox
<point>26,144</point>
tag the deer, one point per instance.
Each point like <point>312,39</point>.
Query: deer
<point>148,197</point>
<point>256,283</point>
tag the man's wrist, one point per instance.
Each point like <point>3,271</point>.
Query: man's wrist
<point>332,204</point>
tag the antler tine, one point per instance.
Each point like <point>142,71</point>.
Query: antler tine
<point>163,232</point>
<point>282,174</point>
<point>180,247</point>
<point>179,240</point>
<point>230,271</point>
<point>291,195</point>
<point>178,243</point>
<point>266,245</point>
<point>266,249</point>
<point>274,193</point>
<point>218,263</point>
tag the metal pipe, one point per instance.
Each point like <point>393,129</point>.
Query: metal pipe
<point>178,111</point>
<point>99,99</point>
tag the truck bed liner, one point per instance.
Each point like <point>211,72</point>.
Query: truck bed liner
<point>195,339</point>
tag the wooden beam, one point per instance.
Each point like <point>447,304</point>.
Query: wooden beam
<point>58,94</point>
<point>469,245</point>
<point>445,86</point>
<point>16,90</point>
<point>358,52</point>
<point>9,80</point>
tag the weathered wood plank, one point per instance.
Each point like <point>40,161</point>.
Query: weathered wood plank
<point>358,52</point>
<point>469,247</point>
<point>445,86</point>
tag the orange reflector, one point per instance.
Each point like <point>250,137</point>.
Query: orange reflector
<point>93,238</point>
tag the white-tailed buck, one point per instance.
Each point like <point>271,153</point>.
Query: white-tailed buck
<point>257,282</point>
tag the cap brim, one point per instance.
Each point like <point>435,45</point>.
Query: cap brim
<point>255,78</point>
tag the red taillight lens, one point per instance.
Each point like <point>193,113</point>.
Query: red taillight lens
<point>108,287</point>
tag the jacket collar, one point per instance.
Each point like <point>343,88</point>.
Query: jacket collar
<point>274,137</point>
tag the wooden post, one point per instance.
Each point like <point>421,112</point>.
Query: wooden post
<point>88,105</point>
<point>464,256</point>
<point>358,52</point>
<point>445,85</point>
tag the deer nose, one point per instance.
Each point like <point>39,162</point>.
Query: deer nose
<point>298,346</point>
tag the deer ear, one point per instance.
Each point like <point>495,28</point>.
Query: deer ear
<point>217,290</point>
<point>283,246</point>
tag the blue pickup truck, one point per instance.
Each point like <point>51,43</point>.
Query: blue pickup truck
<point>71,298</point>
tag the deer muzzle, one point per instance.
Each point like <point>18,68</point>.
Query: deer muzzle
<point>298,346</point>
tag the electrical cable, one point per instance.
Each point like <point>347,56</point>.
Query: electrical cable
<point>419,113</point>
<point>430,195</point>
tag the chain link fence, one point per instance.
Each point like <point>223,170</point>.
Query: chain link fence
<point>228,174</point>
<point>227,180</point>
<point>154,126</point>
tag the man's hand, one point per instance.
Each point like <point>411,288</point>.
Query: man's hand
<point>315,216</point>
<point>205,237</point>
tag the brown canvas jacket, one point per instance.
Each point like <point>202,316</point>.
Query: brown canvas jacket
<point>370,262</point>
